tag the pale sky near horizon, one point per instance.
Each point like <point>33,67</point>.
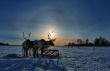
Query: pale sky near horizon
<point>70,19</point>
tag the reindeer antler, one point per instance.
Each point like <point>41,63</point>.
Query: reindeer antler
<point>49,36</point>
<point>23,36</point>
<point>52,31</point>
<point>27,34</point>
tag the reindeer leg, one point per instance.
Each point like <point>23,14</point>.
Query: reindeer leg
<point>26,52</point>
<point>42,49</point>
<point>29,51</point>
<point>34,52</point>
<point>37,52</point>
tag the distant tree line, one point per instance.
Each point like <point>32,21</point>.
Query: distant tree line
<point>3,43</point>
<point>97,42</point>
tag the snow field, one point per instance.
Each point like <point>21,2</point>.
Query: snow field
<point>70,59</point>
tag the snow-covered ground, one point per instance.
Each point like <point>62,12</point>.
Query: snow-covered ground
<point>70,59</point>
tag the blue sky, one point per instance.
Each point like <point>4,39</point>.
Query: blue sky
<point>70,19</point>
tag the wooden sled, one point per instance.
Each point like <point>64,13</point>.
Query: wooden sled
<point>51,53</point>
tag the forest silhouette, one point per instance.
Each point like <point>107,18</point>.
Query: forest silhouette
<point>97,42</point>
<point>3,43</point>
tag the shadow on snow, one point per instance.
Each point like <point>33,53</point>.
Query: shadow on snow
<point>32,64</point>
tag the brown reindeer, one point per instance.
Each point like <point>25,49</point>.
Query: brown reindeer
<point>42,45</point>
<point>26,45</point>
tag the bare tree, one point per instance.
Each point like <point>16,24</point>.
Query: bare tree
<point>79,41</point>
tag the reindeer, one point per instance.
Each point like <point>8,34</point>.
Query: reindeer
<point>26,45</point>
<point>42,45</point>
